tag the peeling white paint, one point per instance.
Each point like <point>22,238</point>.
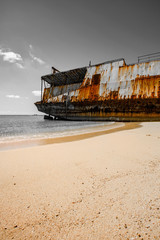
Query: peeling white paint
<point>127,80</point>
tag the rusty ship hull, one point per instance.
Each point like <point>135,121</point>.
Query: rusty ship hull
<point>106,91</point>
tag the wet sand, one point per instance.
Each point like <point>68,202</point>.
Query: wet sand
<point>70,136</point>
<point>101,185</point>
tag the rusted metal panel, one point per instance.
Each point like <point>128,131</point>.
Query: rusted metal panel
<point>120,82</point>
<point>50,93</point>
<point>117,81</point>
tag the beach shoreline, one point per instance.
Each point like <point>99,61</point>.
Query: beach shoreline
<point>70,136</point>
<point>99,185</point>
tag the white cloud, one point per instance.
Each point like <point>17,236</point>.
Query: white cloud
<point>19,65</point>
<point>40,61</point>
<point>16,96</point>
<point>36,93</point>
<point>15,58</point>
<point>30,46</point>
<point>13,96</point>
<point>12,57</point>
<point>34,58</point>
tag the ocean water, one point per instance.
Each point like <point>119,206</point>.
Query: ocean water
<point>16,128</point>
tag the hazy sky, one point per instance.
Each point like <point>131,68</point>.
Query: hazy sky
<point>35,35</point>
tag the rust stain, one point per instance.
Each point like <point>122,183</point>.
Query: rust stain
<point>111,89</point>
<point>141,87</point>
<point>147,86</point>
<point>159,89</point>
<point>90,92</point>
<point>46,95</point>
<point>103,84</point>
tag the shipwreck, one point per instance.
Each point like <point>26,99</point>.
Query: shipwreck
<point>111,90</point>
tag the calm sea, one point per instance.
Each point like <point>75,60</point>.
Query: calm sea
<point>21,128</point>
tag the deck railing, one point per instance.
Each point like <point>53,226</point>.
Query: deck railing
<point>149,57</point>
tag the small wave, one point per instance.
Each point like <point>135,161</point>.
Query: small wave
<point>49,135</point>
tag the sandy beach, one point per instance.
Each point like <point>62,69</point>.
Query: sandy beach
<point>100,187</point>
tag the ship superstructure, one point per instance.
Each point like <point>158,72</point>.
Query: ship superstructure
<point>111,90</point>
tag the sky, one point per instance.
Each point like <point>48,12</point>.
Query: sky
<point>38,34</point>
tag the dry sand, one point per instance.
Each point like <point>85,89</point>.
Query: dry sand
<point>102,187</point>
